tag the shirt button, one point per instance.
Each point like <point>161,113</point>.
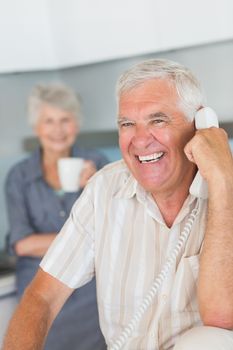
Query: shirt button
<point>62,213</point>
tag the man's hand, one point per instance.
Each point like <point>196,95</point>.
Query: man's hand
<point>210,151</point>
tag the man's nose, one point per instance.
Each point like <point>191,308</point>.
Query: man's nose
<point>142,137</point>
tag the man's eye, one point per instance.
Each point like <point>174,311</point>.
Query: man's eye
<point>158,121</point>
<point>126,124</point>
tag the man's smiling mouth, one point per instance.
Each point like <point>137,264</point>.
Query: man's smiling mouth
<point>151,158</point>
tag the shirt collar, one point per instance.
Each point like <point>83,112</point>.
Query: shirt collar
<point>189,204</point>
<point>132,188</point>
<point>128,190</point>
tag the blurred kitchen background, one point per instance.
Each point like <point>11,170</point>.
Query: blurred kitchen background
<point>87,44</point>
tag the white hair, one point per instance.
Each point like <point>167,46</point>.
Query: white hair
<point>187,86</point>
<point>54,94</point>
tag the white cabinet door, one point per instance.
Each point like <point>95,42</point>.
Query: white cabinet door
<point>49,34</point>
<point>183,23</point>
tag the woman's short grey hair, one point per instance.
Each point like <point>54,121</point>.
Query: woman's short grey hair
<point>186,84</point>
<point>55,94</point>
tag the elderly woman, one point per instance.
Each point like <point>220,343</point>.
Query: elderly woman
<point>38,208</point>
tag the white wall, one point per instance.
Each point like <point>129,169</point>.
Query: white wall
<point>89,31</point>
<point>184,23</point>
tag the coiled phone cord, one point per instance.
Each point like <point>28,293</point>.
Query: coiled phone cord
<point>126,333</point>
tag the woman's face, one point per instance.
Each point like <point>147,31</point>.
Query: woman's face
<point>56,129</point>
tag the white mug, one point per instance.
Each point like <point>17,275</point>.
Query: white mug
<point>69,170</point>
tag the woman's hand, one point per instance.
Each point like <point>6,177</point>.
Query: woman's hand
<point>89,169</point>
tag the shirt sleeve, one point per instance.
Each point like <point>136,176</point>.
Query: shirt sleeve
<point>70,257</point>
<point>18,218</point>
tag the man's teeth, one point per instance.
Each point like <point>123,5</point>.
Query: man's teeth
<point>150,158</point>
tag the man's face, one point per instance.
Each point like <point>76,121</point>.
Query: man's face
<point>152,134</point>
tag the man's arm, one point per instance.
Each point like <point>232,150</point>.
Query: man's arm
<point>36,312</point>
<point>210,151</point>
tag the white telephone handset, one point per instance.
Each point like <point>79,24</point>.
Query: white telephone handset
<point>204,118</point>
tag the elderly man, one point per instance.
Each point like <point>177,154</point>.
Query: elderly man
<point>136,221</point>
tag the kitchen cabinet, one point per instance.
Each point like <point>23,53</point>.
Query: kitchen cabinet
<point>51,34</point>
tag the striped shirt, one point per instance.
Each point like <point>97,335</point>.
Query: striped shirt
<point>116,232</point>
